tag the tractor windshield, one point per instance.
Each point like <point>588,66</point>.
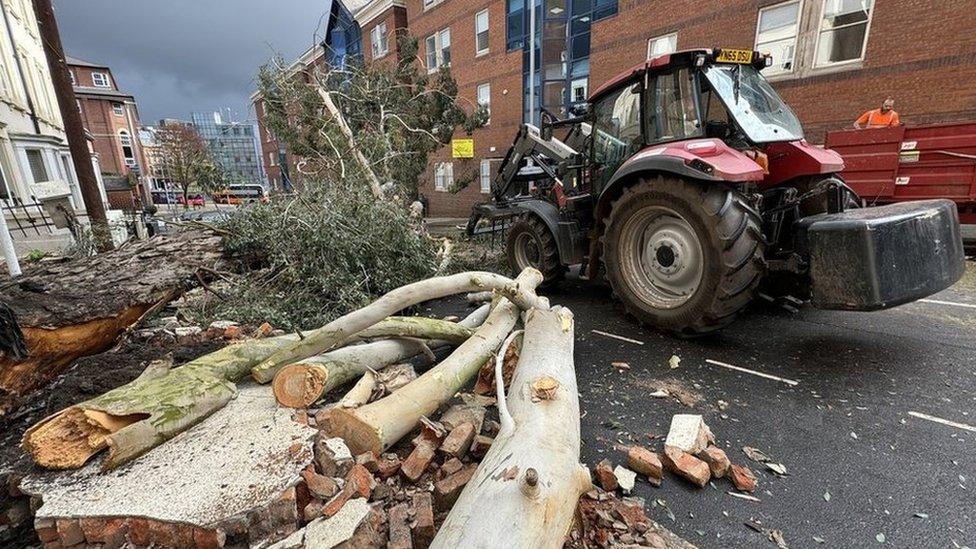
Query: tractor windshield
<point>757,108</point>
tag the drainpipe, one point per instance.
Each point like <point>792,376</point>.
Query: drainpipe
<point>20,70</point>
<point>532,62</point>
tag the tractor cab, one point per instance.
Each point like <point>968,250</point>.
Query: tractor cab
<point>716,95</point>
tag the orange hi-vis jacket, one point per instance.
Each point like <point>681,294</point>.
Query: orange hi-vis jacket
<point>878,119</point>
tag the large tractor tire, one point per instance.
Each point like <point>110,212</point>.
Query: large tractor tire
<point>682,256</point>
<point>531,244</point>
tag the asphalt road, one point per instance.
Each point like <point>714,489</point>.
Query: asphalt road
<point>844,428</point>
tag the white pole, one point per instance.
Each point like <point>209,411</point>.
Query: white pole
<point>532,61</point>
<point>7,243</point>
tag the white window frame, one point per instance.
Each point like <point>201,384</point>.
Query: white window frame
<point>427,4</point>
<point>796,39</point>
<point>379,40</point>
<point>820,33</point>
<point>654,39</point>
<point>484,175</point>
<point>103,76</point>
<point>486,86</point>
<point>118,109</point>
<point>573,87</point>
<point>478,31</point>
<point>443,176</point>
<point>124,136</point>
<point>438,50</point>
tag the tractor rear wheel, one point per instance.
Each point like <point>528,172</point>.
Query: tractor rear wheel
<point>682,256</point>
<point>532,244</point>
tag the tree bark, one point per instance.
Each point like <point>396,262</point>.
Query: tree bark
<point>377,426</point>
<point>132,419</point>
<point>531,474</point>
<point>80,308</point>
<point>521,292</point>
<point>374,182</point>
<point>302,384</point>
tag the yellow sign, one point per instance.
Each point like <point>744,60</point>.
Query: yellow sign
<point>462,148</point>
<point>742,57</point>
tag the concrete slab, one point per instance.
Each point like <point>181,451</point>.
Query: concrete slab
<point>242,458</point>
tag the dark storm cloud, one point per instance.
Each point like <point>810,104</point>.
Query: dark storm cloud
<point>180,56</point>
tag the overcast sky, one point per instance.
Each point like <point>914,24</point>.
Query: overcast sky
<point>181,56</point>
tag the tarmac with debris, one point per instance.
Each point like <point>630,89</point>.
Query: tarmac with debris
<point>854,405</point>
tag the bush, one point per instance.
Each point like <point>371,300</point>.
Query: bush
<point>320,254</point>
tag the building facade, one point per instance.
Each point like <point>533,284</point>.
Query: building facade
<point>33,145</point>
<point>233,146</point>
<point>833,60</point>
<point>110,116</point>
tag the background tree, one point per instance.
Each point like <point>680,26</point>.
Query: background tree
<point>394,117</point>
<point>187,160</point>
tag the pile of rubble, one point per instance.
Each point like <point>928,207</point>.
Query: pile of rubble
<point>398,498</point>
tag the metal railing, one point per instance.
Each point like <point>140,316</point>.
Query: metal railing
<point>28,218</point>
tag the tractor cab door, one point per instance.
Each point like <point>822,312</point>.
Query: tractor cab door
<point>616,132</point>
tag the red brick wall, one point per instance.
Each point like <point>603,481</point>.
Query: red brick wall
<point>396,23</point>
<point>499,68</point>
<point>99,118</point>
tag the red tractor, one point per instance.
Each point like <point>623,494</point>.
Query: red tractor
<point>689,179</point>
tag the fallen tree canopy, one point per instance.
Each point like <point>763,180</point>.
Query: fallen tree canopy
<point>80,307</point>
<point>165,401</point>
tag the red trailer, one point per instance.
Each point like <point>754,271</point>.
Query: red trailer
<point>898,164</point>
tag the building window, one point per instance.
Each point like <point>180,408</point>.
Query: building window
<point>100,80</point>
<point>843,31</point>
<point>484,98</point>
<point>481,32</point>
<point>515,25</point>
<point>580,90</point>
<point>118,109</point>
<point>486,176</point>
<point>380,40</point>
<point>128,153</point>
<point>776,34</point>
<point>35,160</point>
<point>438,50</point>
<point>71,74</point>
<point>431,3</point>
<point>662,45</point>
<point>443,176</point>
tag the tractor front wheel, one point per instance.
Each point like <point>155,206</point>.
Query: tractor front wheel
<point>683,256</point>
<point>531,244</point>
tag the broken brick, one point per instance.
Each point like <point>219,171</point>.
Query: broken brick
<point>458,441</point>
<point>686,466</point>
<point>332,456</point>
<point>716,459</point>
<point>646,463</point>
<point>689,433</point>
<point>423,516</point>
<point>368,460</point>
<point>70,532</point>
<point>360,481</point>
<point>451,466</point>
<point>264,330</point>
<point>232,332</point>
<point>631,512</point>
<point>447,490</point>
<point>604,475</point>
<point>320,486</point>
<point>480,446</point>
<point>313,510</point>
<point>418,460</point>
<point>387,466</point>
<point>101,530</point>
<point>742,478</point>
<point>397,519</point>
<point>459,414</point>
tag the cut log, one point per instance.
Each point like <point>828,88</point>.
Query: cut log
<point>79,308</point>
<point>374,385</point>
<point>161,403</point>
<point>336,332</point>
<point>377,426</point>
<point>304,383</point>
<point>531,474</point>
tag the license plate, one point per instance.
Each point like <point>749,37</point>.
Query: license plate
<point>742,57</point>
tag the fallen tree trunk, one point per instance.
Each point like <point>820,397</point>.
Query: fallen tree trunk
<point>302,384</point>
<point>377,426</point>
<point>374,385</point>
<point>531,474</point>
<point>336,332</point>
<point>80,308</point>
<point>131,419</point>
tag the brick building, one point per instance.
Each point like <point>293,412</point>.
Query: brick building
<point>109,115</point>
<point>834,59</point>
